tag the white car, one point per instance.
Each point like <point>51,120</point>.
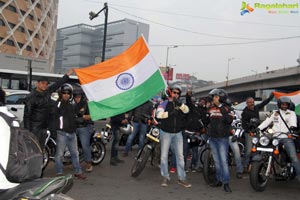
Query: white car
<point>15,102</point>
<point>263,113</point>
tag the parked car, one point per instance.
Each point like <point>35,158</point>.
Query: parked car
<point>266,111</point>
<point>15,102</point>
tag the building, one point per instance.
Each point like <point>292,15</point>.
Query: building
<point>28,32</point>
<point>81,45</point>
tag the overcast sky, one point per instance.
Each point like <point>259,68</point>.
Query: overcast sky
<point>210,30</point>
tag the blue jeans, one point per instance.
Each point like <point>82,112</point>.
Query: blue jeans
<point>248,146</point>
<point>290,148</point>
<point>64,139</point>
<point>219,148</point>
<point>84,134</point>
<point>237,155</point>
<point>185,151</point>
<point>175,140</point>
<point>138,128</point>
<point>115,142</point>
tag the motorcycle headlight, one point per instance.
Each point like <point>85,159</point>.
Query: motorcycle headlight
<point>155,132</point>
<point>264,141</point>
<point>97,135</point>
<point>254,140</point>
<point>275,142</point>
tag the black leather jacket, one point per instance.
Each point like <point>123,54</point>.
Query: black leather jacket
<point>37,106</point>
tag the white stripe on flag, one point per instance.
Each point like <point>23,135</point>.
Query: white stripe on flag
<point>96,90</point>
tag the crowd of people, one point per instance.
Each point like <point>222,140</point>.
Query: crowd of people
<point>179,123</point>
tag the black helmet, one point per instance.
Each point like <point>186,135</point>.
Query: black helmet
<point>284,99</point>
<point>66,88</point>
<point>219,92</point>
<point>77,89</point>
<point>253,123</point>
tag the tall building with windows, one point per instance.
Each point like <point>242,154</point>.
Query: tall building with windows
<point>81,45</point>
<point>28,32</point>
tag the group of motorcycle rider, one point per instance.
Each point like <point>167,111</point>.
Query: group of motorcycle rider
<point>178,123</point>
<point>178,120</point>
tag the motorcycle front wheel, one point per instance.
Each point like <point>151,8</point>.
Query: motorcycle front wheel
<point>209,169</point>
<point>98,152</point>
<point>140,161</point>
<point>258,180</point>
<point>46,157</point>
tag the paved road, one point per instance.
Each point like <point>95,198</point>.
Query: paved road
<point>115,183</point>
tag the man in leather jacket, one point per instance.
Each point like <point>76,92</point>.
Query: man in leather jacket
<point>37,106</point>
<point>249,112</point>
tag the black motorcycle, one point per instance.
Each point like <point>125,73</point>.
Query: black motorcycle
<point>149,149</point>
<point>44,188</point>
<point>269,159</point>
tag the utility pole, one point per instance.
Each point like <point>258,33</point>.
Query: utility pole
<point>227,76</point>
<point>167,67</point>
<point>94,15</point>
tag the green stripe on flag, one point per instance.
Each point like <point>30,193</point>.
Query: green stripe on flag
<point>297,109</point>
<point>127,100</point>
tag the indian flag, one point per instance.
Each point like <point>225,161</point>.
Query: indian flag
<point>294,96</point>
<point>122,82</point>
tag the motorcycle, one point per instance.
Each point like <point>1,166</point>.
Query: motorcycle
<point>44,188</point>
<point>209,169</point>
<point>149,149</point>
<point>98,147</point>
<point>269,160</point>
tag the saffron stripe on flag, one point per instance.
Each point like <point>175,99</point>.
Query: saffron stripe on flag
<point>116,65</point>
<point>127,100</point>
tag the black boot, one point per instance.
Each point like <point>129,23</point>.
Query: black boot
<point>227,188</point>
<point>216,184</point>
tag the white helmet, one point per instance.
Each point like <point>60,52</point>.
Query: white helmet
<point>127,129</point>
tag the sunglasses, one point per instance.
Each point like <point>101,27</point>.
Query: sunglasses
<point>66,93</point>
<point>175,93</point>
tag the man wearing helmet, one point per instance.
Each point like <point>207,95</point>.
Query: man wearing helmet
<point>284,121</point>
<point>66,131</point>
<point>219,132</point>
<point>37,106</point>
<point>84,125</point>
<point>171,114</point>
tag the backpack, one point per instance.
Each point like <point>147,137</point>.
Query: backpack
<point>25,155</point>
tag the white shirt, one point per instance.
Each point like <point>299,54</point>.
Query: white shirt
<point>278,125</point>
<point>4,149</point>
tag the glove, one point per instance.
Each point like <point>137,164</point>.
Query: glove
<point>177,102</point>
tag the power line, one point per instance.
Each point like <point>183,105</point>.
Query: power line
<point>194,32</point>
<point>203,17</point>
<point>220,44</point>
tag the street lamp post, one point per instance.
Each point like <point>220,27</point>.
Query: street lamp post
<point>171,47</point>
<point>227,76</point>
<point>94,15</point>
